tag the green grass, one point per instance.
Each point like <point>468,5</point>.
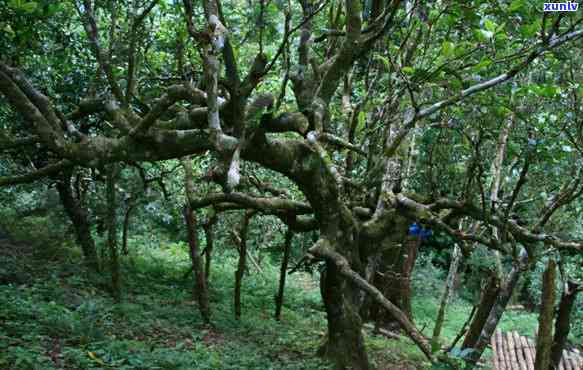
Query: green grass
<point>62,317</point>
<point>425,310</point>
<point>64,320</point>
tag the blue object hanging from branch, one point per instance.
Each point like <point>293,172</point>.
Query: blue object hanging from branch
<point>416,230</point>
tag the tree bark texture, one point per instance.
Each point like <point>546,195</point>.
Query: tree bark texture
<point>126,226</point>
<point>563,321</point>
<point>112,173</point>
<point>283,273</point>
<point>485,305</point>
<point>544,338</point>
<point>451,276</point>
<point>208,250</point>
<point>412,245</point>
<point>200,292</point>
<point>79,217</point>
<point>498,308</point>
<point>242,247</point>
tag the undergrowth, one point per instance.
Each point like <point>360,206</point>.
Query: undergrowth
<point>59,316</point>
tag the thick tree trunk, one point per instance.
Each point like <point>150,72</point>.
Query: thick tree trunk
<point>284,263</point>
<point>242,246</point>
<point>544,339</point>
<point>389,273</point>
<point>112,172</point>
<point>387,278</point>
<point>389,268</point>
<point>345,344</point>
<point>563,322</point>
<point>80,219</point>
<point>453,267</point>
<point>356,281</point>
<point>498,309</point>
<point>199,290</point>
<point>487,301</point>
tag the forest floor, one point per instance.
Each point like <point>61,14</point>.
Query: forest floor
<point>56,315</point>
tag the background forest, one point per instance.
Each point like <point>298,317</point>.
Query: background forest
<point>280,184</point>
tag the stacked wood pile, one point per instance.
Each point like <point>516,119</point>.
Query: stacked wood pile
<point>515,352</point>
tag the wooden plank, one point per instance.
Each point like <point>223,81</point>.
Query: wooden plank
<point>528,354</point>
<point>504,352</point>
<point>562,364</point>
<point>569,360</point>
<point>495,357</point>
<point>519,351</point>
<point>499,350</point>
<point>565,361</point>
<point>576,361</point>
<point>510,356</point>
<point>512,351</point>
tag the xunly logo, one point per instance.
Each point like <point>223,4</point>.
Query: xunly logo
<point>561,7</point>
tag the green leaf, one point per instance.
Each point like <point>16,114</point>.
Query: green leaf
<point>29,7</point>
<point>385,61</point>
<point>549,91</point>
<point>546,91</point>
<point>529,30</point>
<point>361,120</point>
<point>456,84</point>
<point>15,4</point>
<point>516,5</point>
<point>448,49</point>
<point>484,63</point>
<point>483,35</point>
<point>408,70</point>
<point>490,26</point>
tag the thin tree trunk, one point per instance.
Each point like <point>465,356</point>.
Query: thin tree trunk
<point>79,217</point>
<point>498,309</point>
<point>208,251</point>
<point>284,263</point>
<point>199,291</point>
<point>487,301</point>
<point>126,226</point>
<point>242,241</point>
<point>462,331</point>
<point>544,339</point>
<point>112,173</point>
<point>409,264</point>
<point>563,322</point>
<point>451,275</point>
<point>497,181</point>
